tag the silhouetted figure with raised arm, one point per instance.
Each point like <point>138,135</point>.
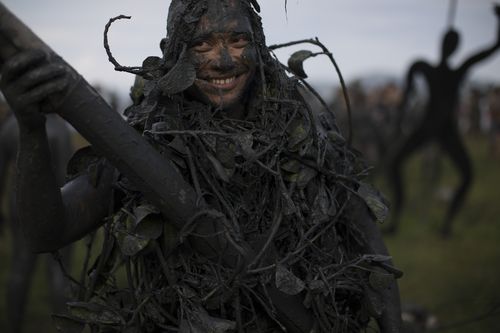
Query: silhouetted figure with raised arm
<point>439,123</point>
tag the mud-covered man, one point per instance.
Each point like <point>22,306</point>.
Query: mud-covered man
<point>283,183</point>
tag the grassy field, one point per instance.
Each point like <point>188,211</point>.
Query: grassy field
<point>455,279</point>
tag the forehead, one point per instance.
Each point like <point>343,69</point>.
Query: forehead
<point>223,16</point>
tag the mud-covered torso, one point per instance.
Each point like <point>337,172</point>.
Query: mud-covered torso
<point>283,180</point>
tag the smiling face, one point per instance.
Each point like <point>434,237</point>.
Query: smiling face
<point>224,56</point>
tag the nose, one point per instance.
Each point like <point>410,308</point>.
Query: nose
<point>224,60</point>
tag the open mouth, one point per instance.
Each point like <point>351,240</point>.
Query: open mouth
<point>222,83</point>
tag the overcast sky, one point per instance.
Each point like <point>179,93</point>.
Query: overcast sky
<point>365,36</point>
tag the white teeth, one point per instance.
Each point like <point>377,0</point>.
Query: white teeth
<point>223,81</point>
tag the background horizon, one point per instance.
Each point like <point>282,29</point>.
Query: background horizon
<point>367,38</point>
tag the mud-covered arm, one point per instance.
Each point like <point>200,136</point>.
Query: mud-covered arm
<point>390,319</point>
<point>52,217</point>
<point>418,67</point>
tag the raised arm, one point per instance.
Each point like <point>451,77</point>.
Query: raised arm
<point>50,218</point>
<point>484,53</point>
<point>417,67</point>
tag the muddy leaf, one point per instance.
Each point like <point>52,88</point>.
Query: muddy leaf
<point>380,279</point>
<point>336,137</point>
<point>297,134</point>
<point>318,286</point>
<point>132,244</point>
<point>244,142</point>
<point>321,206</point>
<point>375,201</point>
<point>178,145</point>
<point>217,165</point>
<point>292,166</point>
<point>95,313</point>
<point>287,282</point>
<point>305,175</point>
<point>202,322</point>
<point>152,65</point>
<point>140,212</point>
<point>180,77</point>
<point>291,178</point>
<point>67,324</point>
<point>225,151</point>
<point>150,227</point>
<point>296,62</point>
<point>217,325</point>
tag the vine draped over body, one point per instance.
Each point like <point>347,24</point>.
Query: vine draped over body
<point>285,237</point>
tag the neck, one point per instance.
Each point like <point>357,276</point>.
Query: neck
<point>236,111</point>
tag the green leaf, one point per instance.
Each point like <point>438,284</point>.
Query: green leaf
<point>296,62</point>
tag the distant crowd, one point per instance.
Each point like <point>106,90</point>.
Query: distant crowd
<point>375,113</point>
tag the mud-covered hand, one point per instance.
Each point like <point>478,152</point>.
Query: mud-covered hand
<point>28,79</point>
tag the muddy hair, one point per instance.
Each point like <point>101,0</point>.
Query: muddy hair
<point>270,83</point>
<point>184,15</point>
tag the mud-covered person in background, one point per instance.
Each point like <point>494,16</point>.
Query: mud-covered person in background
<point>439,123</point>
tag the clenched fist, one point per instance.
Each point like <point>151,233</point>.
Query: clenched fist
<point>28,79</point>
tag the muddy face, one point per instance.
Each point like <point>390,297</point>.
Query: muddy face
<point>224,55</point>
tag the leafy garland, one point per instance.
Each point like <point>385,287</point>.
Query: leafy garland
<point>283,179</point>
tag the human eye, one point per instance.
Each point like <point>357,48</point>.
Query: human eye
<point>239,40</point>
<point>201,45</point>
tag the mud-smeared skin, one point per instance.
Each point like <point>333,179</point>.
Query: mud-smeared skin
<point>224,55</point>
